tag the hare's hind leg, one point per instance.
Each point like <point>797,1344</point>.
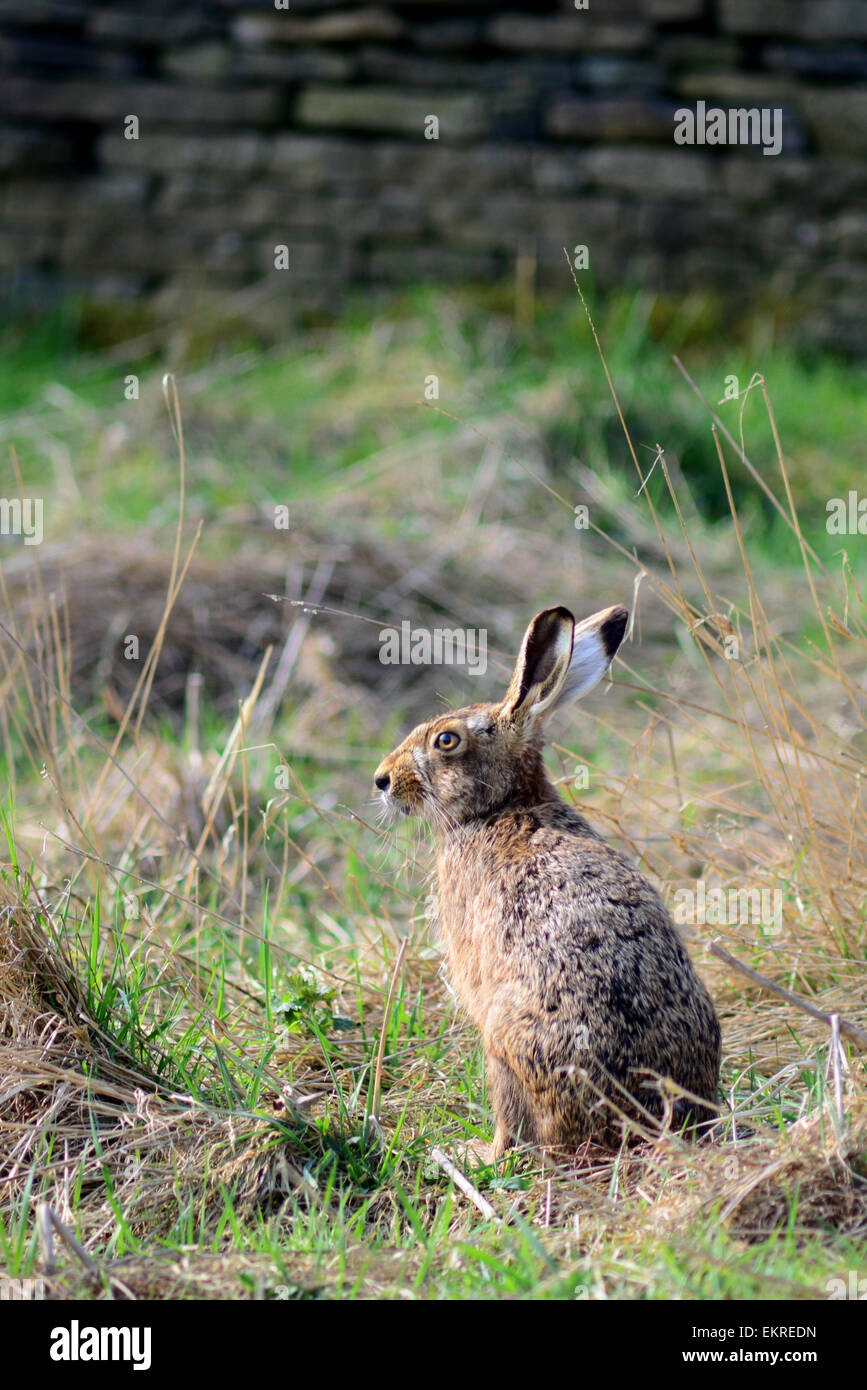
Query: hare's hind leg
<point>509,1105</point>
<point>488,1153</point>
<point>509,1109</point>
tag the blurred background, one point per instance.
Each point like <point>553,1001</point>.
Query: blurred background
<point>343,227</point>
<point>155,155</point>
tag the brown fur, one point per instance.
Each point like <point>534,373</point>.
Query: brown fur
<point>562,954</point>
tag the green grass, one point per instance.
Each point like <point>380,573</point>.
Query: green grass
<point>375,1216</point>
<point>264,423</point>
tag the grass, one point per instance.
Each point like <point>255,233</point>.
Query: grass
<point>229,1052</point>
<point>256,419</point>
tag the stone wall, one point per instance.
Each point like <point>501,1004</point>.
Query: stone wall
<point>257,127</point>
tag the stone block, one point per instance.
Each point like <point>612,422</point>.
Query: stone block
<point>837,118</point>
<point>750,180</point>
<point>392,110</point>
<point>827,62</point>
<point>795,19</point>
<point>691,51</point>
<point>716,224</point>
<point>152,27</point>
<point>283,64</point>
<point>135,246</point>
<point>23,52</point>
<point>164,152</point>
<point>557,171</point>
<point>449,35</point>
<point>504,220</point>
<point>24,245</point>
<point>341,26</point>
<point>155,102</point>
<point>401,67</point>
<point>731,87</point>
<point>703,265</point>
<point>615,73</point>
<point>588,220</point>
<point>847,234</point>
<point>46,12</point>
<point>675,173</point>
<point>23,147</point>
<point>326,161</point>
<point>579,32</point>
<point>841,178</point>
<point>440,264</point>
<point>675,11</point>
<point>201,62</point>
<point>485,168</point>
<point>30,200</point>
<point>609,118</point>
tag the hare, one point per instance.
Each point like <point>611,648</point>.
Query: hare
<point>562,954</point>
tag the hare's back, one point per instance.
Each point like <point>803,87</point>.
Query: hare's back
<point>588,939</point>
<point>570,879</point>
<point>568,906</point>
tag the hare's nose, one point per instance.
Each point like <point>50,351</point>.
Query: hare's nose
<point>382,781</point>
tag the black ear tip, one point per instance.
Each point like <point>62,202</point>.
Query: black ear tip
<point>612,629</point>
<point>559,615</point>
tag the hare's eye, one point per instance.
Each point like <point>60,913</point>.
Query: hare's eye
<point>448,741</point>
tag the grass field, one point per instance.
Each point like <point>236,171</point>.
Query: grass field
<point>231,1065</point>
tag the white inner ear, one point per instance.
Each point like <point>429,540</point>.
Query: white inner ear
<point>589,663</point>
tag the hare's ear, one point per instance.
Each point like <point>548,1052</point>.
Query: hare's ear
<point>542,665</point>
<point>594,644</point>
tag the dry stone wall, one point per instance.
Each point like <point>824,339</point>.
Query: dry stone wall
<point>167,151</point>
